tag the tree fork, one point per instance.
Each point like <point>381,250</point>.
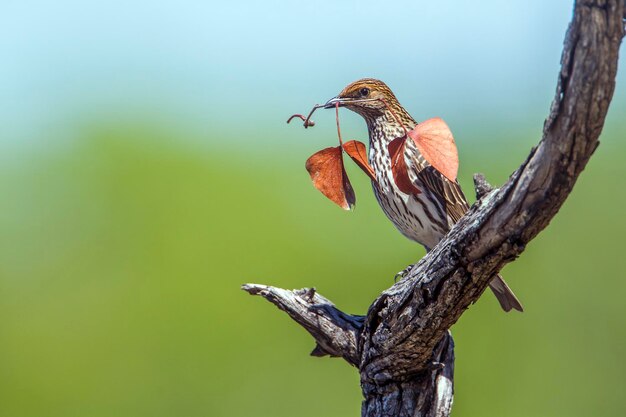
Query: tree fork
<point>403,348</point>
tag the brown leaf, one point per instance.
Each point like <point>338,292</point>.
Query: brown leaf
<point>356,150</point>
<point>398,166</point>
<point>329,176</point>
<point>435,142</point>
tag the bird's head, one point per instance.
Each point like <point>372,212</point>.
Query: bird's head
<point>372,99</point>
<point>368,97</point>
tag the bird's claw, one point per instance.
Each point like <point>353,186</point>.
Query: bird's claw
<point>402,274</point>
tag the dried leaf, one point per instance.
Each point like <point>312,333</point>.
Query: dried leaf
<point>329,176</point>
<point>398,166</point>
<point>357,151</point>
<point>435,142</point>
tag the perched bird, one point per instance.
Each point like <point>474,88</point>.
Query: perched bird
<point>426,214</point>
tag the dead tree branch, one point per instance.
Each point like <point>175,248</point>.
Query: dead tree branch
<point>336,332</point>
<point>402,347</point>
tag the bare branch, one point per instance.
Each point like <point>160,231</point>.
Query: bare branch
<point>335,332</point>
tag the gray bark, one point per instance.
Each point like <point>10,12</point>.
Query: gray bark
<point>402,347</point>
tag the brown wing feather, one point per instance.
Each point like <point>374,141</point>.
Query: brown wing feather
<point>448,192</point>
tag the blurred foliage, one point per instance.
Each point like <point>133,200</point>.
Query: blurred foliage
<point>122,253</point>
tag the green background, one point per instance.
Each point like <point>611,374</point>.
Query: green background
<point>129,218</point>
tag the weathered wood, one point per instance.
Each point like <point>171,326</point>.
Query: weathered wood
<point>335,332</point>
<point>403,348</point>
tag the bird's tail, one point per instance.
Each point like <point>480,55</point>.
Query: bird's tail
<point>505,296</point>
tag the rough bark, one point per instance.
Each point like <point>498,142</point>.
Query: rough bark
<point>403,348</point>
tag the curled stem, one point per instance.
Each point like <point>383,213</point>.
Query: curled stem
<point>307,120</point>
<point>307,123</point>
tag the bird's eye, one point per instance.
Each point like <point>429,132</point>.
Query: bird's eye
<point>364,92</point>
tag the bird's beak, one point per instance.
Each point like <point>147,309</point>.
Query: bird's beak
<point>330,104</point>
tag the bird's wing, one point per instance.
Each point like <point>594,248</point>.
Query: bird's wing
<point>449,193</point>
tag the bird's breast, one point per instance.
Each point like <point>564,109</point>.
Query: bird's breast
<point>415,216</point>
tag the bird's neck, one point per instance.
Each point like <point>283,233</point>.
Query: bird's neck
<point>388,125</point>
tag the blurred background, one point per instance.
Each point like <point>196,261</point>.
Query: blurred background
<point>146,172</point>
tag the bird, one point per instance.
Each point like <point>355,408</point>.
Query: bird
<point>425,211</point>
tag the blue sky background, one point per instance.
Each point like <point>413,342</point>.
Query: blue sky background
<point>235,65</point>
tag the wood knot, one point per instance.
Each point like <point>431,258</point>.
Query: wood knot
<point>481,185</point>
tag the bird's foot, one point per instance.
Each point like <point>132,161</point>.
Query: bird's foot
<point>402,274</point>
<point>436,365</point>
